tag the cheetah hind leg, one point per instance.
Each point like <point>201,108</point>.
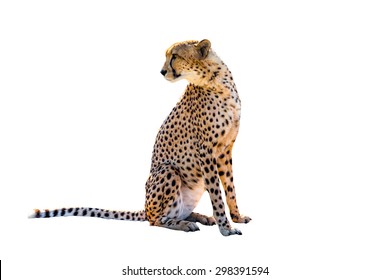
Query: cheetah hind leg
<point>203,219</point>
<point>163,198</point>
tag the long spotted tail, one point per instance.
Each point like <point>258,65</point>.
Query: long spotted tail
<point>90,212</point>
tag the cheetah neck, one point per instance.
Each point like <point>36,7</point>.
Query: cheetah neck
<point>217,80</point>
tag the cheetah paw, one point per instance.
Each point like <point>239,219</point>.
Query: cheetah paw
<point>189,226</point>
<point>241,219</point>
<point>230,231</point>
<point>207,221</point>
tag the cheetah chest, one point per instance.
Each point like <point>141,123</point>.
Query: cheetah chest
<point>223,123</point>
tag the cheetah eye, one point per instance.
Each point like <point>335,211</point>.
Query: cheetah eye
<point>174,56</point>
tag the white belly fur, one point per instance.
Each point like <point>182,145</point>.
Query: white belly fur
<point>189,198</point>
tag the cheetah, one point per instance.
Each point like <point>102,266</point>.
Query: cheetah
<point>193,148</point>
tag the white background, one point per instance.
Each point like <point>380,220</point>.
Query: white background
<point>82,100</point>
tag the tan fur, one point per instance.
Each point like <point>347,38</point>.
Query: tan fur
<point>194,144</point>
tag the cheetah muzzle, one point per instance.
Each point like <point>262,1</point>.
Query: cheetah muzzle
<point>193,149</point>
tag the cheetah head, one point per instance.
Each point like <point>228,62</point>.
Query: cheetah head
<point>190,60</point>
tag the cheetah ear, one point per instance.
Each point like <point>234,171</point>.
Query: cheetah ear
<point>203,48</point>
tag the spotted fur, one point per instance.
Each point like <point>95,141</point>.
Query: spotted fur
<point>90,212</point>
<point>193,148</point>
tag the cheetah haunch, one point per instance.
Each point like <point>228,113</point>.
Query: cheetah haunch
<point>193,148</point>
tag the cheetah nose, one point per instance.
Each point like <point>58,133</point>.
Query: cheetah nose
<point>163,72</point>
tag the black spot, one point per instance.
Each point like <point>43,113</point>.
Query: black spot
<point>47,214</point>
<point>173,183</point>
<point>55,213</point>
<point>106,215</point>
<point>169,175</point>
<point>92,214</point>
<point>85,212</point>
<point>221,173</point>
<point>167,191</point>
<point>63,211</point>
<point>70,210</point>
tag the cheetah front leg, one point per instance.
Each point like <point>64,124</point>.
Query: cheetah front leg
<point>210,174</point>
<point>225,172</point>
